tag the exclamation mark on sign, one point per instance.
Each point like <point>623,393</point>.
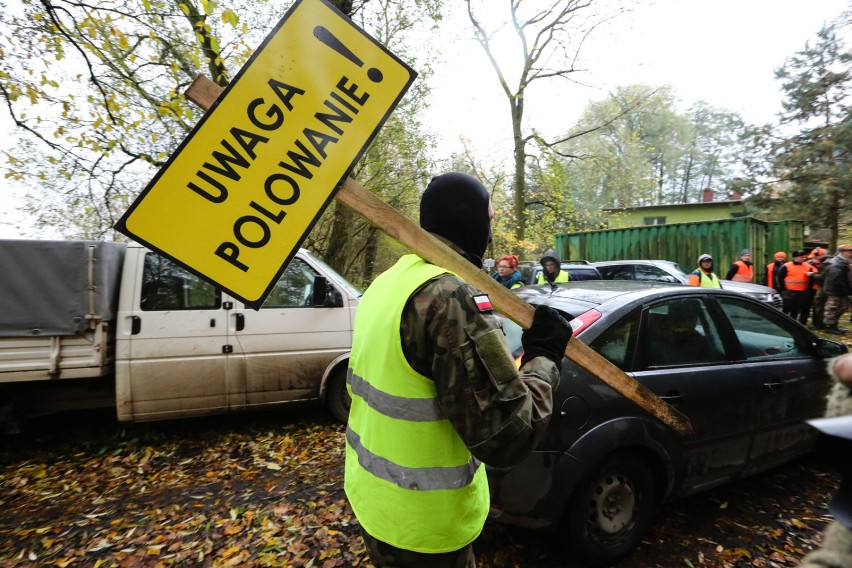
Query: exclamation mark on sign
<point>328,38</point>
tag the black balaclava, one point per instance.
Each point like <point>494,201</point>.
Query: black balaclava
<point>455,206</point>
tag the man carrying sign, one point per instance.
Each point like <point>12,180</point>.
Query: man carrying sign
<point>435,392</point>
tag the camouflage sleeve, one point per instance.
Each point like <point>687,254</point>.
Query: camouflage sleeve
<point>499,412</point>
<point>836,549</point>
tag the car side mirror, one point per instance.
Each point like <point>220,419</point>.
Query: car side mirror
<point>325,295</point>
<point>828,348</point>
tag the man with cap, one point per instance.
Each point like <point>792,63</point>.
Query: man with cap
<point>836,288</point>
<point>550,269</point>
<point>435,392</point>
<point>703,276</point>
<point>772,270</point>
<point>742,270</point>
<point>794,281</point>
<point>836,446</point>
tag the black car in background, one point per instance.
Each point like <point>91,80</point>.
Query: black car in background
<point>746,375</point>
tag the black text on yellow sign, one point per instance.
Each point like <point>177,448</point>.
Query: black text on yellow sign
<point>241,193</point>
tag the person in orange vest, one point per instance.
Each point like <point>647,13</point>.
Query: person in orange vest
<point>816,252</point>
<point>742,270</point>
<point>772,270</point>
<point>703,275</point>
<point>794,278</point>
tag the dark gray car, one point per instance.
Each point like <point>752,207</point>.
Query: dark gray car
<point>745,374</point>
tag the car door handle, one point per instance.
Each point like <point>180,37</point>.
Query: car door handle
<point>241,322</point>
<point>773,387</point>
<point>672,398</point>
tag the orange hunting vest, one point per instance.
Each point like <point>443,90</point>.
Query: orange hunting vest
<point>745,272</point>
<point>797,276</point>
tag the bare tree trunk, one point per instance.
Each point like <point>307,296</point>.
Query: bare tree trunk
<point>338,250</point>
<point>520,180</point>
<point>370,251</point>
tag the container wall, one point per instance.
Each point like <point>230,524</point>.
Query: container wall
<point>723,239</point>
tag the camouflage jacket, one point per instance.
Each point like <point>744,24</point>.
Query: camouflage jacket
<point>836,549</point>
<point>499,412</point>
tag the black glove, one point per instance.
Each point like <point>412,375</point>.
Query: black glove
<point>547,336</point>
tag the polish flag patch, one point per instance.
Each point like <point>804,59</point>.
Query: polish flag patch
<point>483,303</point>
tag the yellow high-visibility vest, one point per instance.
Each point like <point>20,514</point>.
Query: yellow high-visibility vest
<point>409,477</point>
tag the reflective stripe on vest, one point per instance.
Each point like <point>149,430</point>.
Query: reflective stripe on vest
<point>745,272</point>
<point>797,276</point>
<point>409,477</point>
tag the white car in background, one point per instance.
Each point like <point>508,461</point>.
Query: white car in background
<point>668,271</point>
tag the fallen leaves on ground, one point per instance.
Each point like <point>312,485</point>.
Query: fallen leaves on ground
<point>267,490</point>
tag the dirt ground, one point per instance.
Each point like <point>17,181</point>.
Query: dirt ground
<point>267,490</point>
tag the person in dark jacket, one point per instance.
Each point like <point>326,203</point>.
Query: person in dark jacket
<point>742,270</point>
<point>837,287</point>
<point>772,270</point>
<point>550,269</point>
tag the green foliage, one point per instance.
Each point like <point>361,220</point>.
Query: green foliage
<point>96,91</point>
<point>635,149</point>
<point>811,164</point>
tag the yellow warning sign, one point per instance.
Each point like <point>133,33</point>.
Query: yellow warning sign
<point>240,194</point>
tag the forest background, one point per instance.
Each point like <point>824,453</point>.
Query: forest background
<point>93,93</point>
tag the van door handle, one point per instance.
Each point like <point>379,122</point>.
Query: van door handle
<point>241,322</point>
<point>135,325</point>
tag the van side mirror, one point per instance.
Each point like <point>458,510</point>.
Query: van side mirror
<point>325,295</point>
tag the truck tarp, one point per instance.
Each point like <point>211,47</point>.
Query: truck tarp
<point>44,285</point>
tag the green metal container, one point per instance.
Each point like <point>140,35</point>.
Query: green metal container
<point>784,236</point>
<point>723,239</point>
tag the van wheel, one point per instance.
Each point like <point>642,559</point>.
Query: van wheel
<point>337,397</point>
<point>611,510</point>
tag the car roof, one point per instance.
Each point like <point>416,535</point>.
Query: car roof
<point>642,261</point>
<point>745,287</point>
<point>576,298</point>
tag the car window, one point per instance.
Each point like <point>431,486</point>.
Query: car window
<point>764,333</point>
<point>617,272</point>
<point>680,331</point>
<point>167,286</point>
<point>649,272</point>
<point>616,343</point>
<point>583,274</point>
<point>295,287</point>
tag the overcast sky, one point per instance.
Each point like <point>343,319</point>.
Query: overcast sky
<point>723,52</point>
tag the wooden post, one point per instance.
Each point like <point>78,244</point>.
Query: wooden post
<point>204,93</point>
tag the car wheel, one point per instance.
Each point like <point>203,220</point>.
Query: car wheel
<point>337,397</point>
<point>610,510</point>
